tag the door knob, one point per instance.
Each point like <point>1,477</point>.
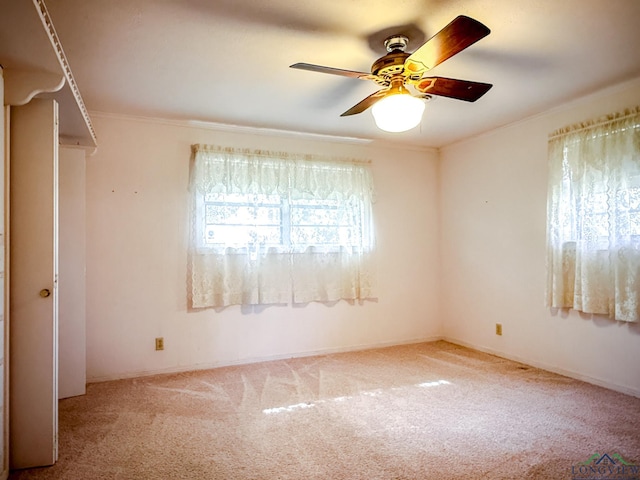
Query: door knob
<point>44,293</point>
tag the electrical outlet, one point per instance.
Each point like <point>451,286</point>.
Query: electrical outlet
<point>160,343</point>
<point>498,329</point>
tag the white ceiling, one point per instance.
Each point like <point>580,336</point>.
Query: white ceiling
<point>227,61</point>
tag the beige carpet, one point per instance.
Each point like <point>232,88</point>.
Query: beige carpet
<point>426,411</point>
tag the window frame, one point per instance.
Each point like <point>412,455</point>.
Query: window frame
<point>286,225</point>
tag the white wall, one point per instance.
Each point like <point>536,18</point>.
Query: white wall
<point>493,198</point>
<point>137,232</point>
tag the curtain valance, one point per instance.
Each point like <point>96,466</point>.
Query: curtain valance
<point>228,170</point>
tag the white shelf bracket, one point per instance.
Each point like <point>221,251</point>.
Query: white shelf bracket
<point>20,86</point>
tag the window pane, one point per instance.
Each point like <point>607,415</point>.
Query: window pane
<point>238,235</point>
<point>324,235</point>
<point>599,202</point>
<point>245,219</point>
<point>316,216</point>
<point>634,198</point>
<point>315,236</point>
<point>242,215</point>
<point>634,222</point>
<point>242,219</point>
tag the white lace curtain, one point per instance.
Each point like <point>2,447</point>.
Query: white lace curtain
<point>593,212</point>
<point>264,272</point>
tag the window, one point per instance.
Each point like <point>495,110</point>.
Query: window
<point>244,220</point>
<point>604,227</point>
<point>279,228</point>
<point>593,231</point>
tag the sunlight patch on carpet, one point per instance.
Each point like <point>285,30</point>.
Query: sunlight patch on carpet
<point>434,384</point>
<point>368,393</point>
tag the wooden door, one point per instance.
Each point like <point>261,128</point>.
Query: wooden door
<point>33,292</point>
<point>4,372</point>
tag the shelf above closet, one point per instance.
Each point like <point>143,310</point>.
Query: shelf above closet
<point>34,65</point>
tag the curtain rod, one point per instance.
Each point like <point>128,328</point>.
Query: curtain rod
<point>278,155</point>
<point>611,118</point>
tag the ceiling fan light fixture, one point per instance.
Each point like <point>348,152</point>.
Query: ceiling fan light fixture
<point>398,112</point>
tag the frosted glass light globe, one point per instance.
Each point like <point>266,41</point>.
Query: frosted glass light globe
<point>398,112</point>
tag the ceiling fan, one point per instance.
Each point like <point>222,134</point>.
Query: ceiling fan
<point>398,68</point>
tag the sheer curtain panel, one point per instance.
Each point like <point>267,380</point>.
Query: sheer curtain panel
<point>277,228</point>
<point>593,212</point>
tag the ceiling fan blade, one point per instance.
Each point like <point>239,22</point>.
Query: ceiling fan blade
<point>459,34</point>
<point>366,103</point>
<point>333,71</point>
<point>452,88</point>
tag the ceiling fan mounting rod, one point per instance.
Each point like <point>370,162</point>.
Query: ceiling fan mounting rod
<point>396,42</point>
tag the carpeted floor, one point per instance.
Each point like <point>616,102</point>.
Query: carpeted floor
<point>425,411</point>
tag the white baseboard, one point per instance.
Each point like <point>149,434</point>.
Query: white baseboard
<point>516,358</point>
<point>550,368</point>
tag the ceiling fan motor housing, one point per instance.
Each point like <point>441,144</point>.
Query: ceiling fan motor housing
<point>388,66</point>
